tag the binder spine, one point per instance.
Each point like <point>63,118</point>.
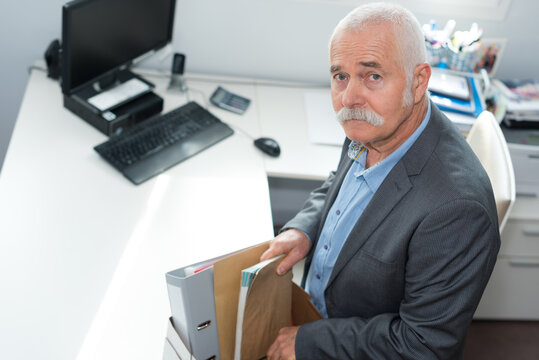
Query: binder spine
<point>193,311</point>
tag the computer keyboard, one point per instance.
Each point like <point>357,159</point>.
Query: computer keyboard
<point>157,144</point>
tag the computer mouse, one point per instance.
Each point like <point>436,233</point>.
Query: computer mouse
<point>268,145</point>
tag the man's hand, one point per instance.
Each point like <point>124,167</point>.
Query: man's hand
<point>283,348</point>
<point>294,243</point>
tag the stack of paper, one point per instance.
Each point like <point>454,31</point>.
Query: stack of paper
<point>322,125</point>
<point>521,101</point>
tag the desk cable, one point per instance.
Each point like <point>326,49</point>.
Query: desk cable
<point>223,78</point>
<point>164,74</point>
<point>35,67</point>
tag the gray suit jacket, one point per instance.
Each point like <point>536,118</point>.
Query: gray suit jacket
<point>411,273</point>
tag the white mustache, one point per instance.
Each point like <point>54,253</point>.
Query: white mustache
<point>359,114</point>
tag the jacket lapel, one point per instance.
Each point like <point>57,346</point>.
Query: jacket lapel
<point>394,187</point>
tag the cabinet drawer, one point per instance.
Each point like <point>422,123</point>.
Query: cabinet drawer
<point>526,205</point>
<point>526,163</point>
<point>513,290</point>
<point>527,191</point>
<point>521,238</point>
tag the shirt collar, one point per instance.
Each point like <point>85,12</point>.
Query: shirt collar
<point>375,175</point>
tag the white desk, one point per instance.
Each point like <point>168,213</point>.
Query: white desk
<point>83,252</point>
<point>283,117</point>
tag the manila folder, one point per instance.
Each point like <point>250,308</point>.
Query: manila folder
<point>267,309</point>
<point>226,284</point>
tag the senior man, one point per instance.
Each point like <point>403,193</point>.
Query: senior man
<point>401,240</point>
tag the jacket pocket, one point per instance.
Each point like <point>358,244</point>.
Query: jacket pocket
<point>365,287</point>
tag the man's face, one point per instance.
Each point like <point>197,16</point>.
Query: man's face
<point>366,74</point>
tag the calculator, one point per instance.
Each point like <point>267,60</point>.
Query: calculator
<point>229,101</point>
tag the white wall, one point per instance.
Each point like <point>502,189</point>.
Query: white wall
<point>281,39</point>
<point>26,28</point>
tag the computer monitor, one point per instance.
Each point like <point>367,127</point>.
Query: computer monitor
<point>100,37</point>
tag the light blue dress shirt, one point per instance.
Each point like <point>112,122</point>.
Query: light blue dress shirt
<point>355,193</point>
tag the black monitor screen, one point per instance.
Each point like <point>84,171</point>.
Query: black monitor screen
<point>99,36</point>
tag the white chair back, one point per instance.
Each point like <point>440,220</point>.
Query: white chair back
<point>487,141</point>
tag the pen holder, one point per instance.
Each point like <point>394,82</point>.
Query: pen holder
<point>461,61</point>
<point>435,54</point>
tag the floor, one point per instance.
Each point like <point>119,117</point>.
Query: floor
<point>502,340</point>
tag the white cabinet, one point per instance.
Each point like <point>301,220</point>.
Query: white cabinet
<point>513,289</point>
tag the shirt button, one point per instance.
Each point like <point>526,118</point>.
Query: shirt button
<point>338,212</point>
<point>325,247</point>
<point>318,276</point>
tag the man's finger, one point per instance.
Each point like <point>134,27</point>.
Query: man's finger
<point>273,251</point>
<point>287,263</point>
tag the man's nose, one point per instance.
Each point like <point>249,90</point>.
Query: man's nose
<point>354,94</point>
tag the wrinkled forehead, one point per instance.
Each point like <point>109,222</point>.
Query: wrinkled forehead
<point>361,25</point>
<point>376,39</point>
<point>378,42</point>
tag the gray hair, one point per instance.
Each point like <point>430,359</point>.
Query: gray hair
<point>406,28</point>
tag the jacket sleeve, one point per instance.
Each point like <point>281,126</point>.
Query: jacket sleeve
<point>450,258</point>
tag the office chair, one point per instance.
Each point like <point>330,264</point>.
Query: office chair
<point>488,143</point>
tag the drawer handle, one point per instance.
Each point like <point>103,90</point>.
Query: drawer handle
<point>524,263</point>
<point>533,156</point>
<point>203,325</point>
<point>526,194</point>
<point>528,232</point>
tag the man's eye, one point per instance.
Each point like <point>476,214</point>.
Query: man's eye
<point>375,77</point>
<point>339,77</point>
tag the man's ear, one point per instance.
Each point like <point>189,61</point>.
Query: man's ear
<point>421,80</point>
